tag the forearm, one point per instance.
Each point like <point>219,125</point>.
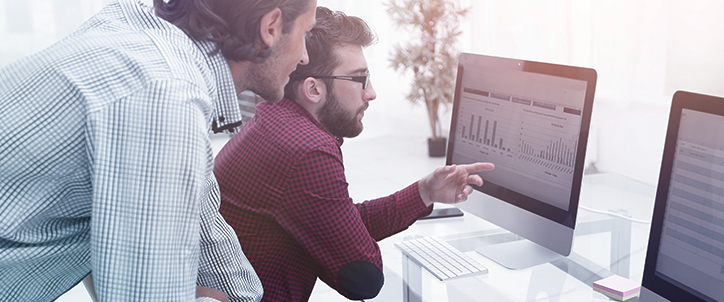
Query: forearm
<point>389,215</point>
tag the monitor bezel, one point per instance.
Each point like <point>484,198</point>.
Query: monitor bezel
<point>564,217</point>
<point>681,100</point>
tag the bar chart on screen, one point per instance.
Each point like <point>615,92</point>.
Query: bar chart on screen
<point>498,135</point>
<point>549,142</point>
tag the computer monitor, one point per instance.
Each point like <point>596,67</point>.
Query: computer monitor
<point>685,255</point>
<point>531,120</point>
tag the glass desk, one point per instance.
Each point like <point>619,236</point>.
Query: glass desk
<point>604,244</point>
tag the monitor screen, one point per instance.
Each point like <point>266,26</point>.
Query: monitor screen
<point>685,260</point>
<point>531,120</point>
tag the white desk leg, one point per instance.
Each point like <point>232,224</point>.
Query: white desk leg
<point>621,248</point>
<point>412,280</point>
<point>620,230</point>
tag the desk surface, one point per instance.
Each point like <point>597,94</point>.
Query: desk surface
<point>566,280</point>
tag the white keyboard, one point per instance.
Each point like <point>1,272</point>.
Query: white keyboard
<point>440,258</point>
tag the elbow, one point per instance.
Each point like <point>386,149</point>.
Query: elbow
<point>360,280</point>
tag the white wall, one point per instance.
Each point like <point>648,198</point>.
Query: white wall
<point>643,51</point>
<point>29,26</point>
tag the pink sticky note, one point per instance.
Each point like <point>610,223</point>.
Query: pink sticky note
<point>618,286</point>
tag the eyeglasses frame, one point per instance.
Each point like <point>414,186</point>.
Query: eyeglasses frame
<point>363,79</point>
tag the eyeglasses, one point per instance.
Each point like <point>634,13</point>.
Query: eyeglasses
<point>364,79</point>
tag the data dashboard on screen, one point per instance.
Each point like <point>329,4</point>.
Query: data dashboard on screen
<point>527,123</point>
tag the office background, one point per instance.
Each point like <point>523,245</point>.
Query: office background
<point>643,51</point>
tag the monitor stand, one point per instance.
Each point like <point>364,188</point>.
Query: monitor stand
<point>518,254</point>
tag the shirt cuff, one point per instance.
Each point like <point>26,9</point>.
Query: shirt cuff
<point>417,201</point>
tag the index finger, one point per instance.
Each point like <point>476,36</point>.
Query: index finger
<point>477,167</point>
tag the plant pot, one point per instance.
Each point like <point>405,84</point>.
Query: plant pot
<point>436,146</point>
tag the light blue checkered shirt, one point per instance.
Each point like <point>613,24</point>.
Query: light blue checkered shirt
<point>106,166</point>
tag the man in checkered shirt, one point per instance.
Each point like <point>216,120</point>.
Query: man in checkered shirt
<point>282,177</point>
<point>105,159</point>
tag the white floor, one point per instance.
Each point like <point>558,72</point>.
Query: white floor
<point>375,167</point>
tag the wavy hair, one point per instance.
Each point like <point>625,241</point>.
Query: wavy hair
<point>233,25</point>
<point>333,28</point>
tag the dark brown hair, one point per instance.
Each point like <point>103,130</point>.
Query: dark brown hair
<point>332,29</point>
<point>232,24</point>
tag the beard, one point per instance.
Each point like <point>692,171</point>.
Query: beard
<point>264,77</point>
<point>268,92</point>
<point>338,121</point>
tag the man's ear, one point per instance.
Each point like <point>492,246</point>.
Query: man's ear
<point>313,90</point>
<point>271,27</point>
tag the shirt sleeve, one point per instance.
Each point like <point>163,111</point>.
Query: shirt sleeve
<point>223,266</point>
<point>384,217</point>
<point>321,216</point>
<point>149,157</point>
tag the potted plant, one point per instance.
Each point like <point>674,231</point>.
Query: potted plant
<point>431,56</point>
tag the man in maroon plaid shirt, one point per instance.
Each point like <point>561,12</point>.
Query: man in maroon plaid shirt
<point>283,185</point>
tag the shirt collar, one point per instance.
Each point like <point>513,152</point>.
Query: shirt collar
<point>294,107</point>
<point>227,115</point>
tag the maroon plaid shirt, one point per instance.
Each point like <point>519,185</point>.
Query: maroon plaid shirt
<point>285,194</point>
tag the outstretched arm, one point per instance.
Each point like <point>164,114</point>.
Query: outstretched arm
<point>451,184</point>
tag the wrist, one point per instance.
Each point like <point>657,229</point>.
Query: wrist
<point>424,191</point>
<point>205,292</point>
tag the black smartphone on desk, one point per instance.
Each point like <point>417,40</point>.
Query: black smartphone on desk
<point>442,213</point>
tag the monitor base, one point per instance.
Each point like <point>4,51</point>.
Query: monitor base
<point>518,254</point>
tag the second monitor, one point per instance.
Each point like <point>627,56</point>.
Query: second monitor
<point>531,120</point>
